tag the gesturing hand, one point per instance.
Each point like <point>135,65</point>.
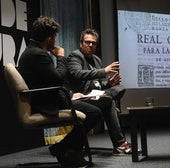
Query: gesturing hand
<point>115,79</point>
<point>113,67</point>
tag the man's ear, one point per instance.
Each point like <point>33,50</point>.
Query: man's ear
<point>49,39</point>
<point>81,44</point>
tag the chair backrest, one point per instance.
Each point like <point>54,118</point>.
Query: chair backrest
<point>17,84</point>
<point>14,80</point>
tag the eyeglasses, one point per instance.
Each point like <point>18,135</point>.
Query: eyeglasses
<point>90,42</point>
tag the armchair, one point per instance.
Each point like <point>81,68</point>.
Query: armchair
<point>21,94</point>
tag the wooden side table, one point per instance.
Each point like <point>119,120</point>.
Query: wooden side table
<point>137,119</point>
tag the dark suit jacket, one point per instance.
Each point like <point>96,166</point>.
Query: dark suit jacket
<point>81,76</point>
<point>38,70</point>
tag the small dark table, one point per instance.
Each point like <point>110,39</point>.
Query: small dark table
<point>137,118</point>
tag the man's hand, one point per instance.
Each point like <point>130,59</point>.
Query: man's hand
<point>115,79</point>
<point>58,51</point>
<point>77,96</point>
<point>114,67</point>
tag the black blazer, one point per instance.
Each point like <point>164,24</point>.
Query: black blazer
<point>38,70</point>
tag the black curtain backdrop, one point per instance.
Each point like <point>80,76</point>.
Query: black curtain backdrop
<point>74,16</point>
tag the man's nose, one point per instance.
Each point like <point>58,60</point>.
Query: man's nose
<point>90,44</point>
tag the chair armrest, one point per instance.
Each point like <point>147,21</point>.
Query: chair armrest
<point>42,90</point>
<point>48,89</point>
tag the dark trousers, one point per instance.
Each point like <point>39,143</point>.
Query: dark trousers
<point>109,114</point>
<point>105,108</point>
<point>75,138</point>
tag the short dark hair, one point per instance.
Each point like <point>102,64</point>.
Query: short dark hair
<point>43,27</point>
<point>89,31</point>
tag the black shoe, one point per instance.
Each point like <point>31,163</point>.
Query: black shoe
<point>55,149</point>
<point>72,158</point>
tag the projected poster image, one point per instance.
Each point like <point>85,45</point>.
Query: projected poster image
<point>144,49</point>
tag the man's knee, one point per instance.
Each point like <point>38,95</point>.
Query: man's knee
<point>116,92</point>
<point>106,99</point>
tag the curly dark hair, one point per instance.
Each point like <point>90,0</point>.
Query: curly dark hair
<point>43,27</point>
